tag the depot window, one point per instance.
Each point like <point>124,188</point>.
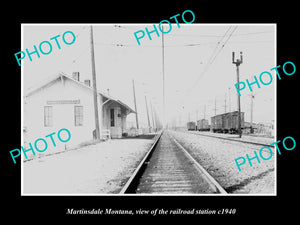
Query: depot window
<point>48,116</point>
<point>78,115</point>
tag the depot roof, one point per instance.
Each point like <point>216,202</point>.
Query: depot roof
<point>63,75</point>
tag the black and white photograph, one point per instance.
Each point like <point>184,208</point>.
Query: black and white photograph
<point>144,111</point>
<point>149,109</point>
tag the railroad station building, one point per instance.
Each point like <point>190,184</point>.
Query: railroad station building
<point>67,102</point>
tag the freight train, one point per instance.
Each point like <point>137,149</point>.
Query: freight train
<point>191,125</point>
<point>202,125</point>
<point>227,122</point>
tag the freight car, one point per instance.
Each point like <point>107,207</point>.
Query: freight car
<point>226,122</point>
<point>202,125</point>
<point>191,125</point>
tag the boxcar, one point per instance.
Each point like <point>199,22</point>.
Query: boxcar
<point>226,122</point>
<point>191,125</point>
<point>202,125</point>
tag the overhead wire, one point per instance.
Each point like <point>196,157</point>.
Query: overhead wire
<point>209,35</point>
<point>213,56</point>
<point>190,44</point>
<point>218,44</point>
<point>153,46</point>
<point>180,35</point>
<point>178,46</point>
<point>224,44</point>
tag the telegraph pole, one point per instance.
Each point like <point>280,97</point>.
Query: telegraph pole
<point>238,62</point>
<point>152,115</point>
<point>148,114</point>
<point>225,102</point>
<point>163,73</point>
<point>95,88</point>
<point>229,99</point>
<point>251,128</point>
<point>135,107</point>
<point>215,106</point>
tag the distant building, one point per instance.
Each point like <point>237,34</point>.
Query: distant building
<point>65,102</point>
<point>265,129</point>
<point>248,125</point>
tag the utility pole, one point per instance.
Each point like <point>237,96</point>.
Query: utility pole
<point>204,111</point>
<point>152,115</point>
<point>251,120</point>
<point>157,121</point>
<point>148,114</point>
<point>238,62</point>
<point>135,107</point>
<point>163,73</point>
<point>229,99</point>
<point>225,102</point>
<point>215,106</point>
<point>95,88</point>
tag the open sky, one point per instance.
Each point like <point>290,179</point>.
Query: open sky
<point>197,61</point>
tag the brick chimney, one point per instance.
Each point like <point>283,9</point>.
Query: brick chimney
<point>87,82</point>
<point>75,76</point>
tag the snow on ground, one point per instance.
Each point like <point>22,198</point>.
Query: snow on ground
<point>217,157</point>
<point>95,169</point>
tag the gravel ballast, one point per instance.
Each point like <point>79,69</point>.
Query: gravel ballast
<point>217,157</point>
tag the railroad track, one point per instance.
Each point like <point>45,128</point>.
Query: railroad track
<point>230,139</point>
<point>169,169</point>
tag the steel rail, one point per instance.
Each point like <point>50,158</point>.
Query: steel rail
<point>132,182</point>
<point>211,181</point>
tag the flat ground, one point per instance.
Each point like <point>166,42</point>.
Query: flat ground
<point>103,168</point>
<point>95,169</point>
